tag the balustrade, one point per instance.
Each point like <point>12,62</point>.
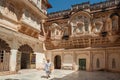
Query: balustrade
<point>80,43</point>
<point>29,21</point>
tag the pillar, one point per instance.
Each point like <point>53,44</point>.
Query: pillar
<point>91,62</point>
<point>13,60</point>
<point>106,60</point>
<point>40,60</point>
<point>75,65</point>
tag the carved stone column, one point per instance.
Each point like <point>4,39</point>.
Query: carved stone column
<point>13,60</point>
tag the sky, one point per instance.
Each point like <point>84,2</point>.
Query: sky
<point>58,5</point>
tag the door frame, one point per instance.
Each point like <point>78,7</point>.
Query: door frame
<point>83,65</point>
<point>28,61</point>
<point>55,61</point>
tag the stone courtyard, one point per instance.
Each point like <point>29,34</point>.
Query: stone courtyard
<point>62,75</point>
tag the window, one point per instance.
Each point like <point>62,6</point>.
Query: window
<point>98,63</point>
<point>115,19</point>
<point>1,56</point>
<point>113,63</point>
<point>85,21</point>
<point>114,24</point>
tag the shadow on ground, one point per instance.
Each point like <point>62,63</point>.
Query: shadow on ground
<point>43,76</point>
<point>83,75</point>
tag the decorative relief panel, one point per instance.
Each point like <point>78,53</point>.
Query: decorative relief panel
<point>56,31</point>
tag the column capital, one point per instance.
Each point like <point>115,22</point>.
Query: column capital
<point>13,51</point>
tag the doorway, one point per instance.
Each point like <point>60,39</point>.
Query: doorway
<point>82,64</point>
<point>25,61</point>
<point>57,62</point>
<point>24,57</point>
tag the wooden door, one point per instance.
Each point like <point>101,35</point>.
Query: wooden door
<point>57,62</point>
<point>82,64</point>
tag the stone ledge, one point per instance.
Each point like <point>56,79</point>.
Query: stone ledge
<point>67,67</point>
<point>7,73</point>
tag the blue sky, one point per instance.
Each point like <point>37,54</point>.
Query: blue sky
<point>58,5</point>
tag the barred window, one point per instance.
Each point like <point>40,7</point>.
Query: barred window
<point>1,56</point>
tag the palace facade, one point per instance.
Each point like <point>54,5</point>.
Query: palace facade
<point>85,37</point>
<point>22,34</point>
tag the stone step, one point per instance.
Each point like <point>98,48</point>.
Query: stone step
<point>27,71</point>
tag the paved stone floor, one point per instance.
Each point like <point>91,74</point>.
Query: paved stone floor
<point>62,75</point>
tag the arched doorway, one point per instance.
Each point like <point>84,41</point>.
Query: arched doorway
<point>26,52</point>
<point>4,56</point>
<point>57,62</point>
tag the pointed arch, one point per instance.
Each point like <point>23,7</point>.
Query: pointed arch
<point>84,13</point>
<point>25,48</point>
<point>4,46</point>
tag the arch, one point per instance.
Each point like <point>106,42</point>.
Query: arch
<point>54,26</point>
<point>97,60</point>
<point>26,52</point>
<point>56,31</point>
<point>80,17</point>
<point>25,48</point>
<point>114,21</point>
<point>4,55</point>
<point>57,62</point>
<point>79,13</point>
<point>114,14</point>
<point>4,46</point>
<point>114,61</point>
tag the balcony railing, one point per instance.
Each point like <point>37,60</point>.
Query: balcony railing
<point>81,43</point>
<point>37,3</point>
<point>87,5</point>
<point>29,21</point>
<point>105,4</point>
<point>9,14</point>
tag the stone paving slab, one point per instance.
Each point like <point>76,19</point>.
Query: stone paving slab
<point>83,75</point>
<point>62,75</point>
<point>35,75</point>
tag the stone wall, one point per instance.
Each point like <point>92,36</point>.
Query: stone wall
<point>97,59</point>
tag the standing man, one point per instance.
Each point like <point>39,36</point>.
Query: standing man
<point>48,68</point>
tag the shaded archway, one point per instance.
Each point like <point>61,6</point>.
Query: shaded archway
<point>57,62</point>
<point>26,52</point>
<point>4,56</point>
